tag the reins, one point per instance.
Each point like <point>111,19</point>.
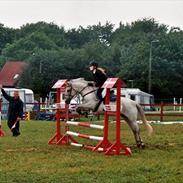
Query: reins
<point>80,92</point>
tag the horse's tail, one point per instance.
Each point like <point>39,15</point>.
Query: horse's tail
<point>144,120</point>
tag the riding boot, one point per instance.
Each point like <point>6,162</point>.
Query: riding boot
<point>97,106</point>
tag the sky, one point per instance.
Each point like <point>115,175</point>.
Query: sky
<point>75,13</point>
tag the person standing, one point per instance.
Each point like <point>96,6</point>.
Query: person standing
<point>99,77</point>
<point>15,111</point>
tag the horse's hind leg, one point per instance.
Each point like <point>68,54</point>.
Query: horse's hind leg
<point>136,131</point>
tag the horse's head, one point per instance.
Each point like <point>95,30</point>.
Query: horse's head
<point>74,87</point>
<point>69,92</point>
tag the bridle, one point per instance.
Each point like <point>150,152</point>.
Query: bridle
<point>76,92</point>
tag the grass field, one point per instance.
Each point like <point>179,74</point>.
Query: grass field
<point>28,158</point>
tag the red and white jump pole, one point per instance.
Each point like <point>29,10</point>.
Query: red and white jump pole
<point>85,124</point>
<point>60,87</point>
<point>117,148</point>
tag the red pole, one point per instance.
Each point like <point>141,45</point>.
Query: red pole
<point>118,108</point>
<point>66,119</point>
<point>106,116</point>
<point>58,115</point>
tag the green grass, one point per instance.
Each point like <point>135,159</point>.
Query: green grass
<point>28,158</point>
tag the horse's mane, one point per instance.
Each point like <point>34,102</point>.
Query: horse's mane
<point>79,80</point>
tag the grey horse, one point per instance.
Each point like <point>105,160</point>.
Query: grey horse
<point>130,110</point>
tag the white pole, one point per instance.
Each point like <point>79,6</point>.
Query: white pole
<point>174,101</point>
<point>46,102</point>
<point>41,105</point>
<point>180,108</point>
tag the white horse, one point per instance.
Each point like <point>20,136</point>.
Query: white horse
<point>130,110</point>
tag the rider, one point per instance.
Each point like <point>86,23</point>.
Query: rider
<point>100,77</point>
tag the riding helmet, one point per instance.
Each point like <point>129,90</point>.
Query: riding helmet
<point>93,63</point>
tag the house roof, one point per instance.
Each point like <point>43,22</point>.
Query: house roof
<point>10,73</point>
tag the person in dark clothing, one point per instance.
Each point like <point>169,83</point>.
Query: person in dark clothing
<point>15,111</point>
<point>99,77</point>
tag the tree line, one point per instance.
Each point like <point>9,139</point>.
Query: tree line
<point>55,53</point>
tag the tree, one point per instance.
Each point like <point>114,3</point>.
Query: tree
<point>44,69</point>
<point>53,53</point>
<point>54,33</point>
<point>78,38</point>
<point>23,48</point>
<point>7,35</point>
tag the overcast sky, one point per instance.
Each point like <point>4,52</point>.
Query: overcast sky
<point>72,13</point>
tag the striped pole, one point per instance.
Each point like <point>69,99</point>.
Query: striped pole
<point>86,146</point>
<point>84,136</point>
<point>84,124</point>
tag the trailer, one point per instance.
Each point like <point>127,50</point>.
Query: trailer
<point>139,96</point>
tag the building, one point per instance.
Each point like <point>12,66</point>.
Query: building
<point>11,72</point>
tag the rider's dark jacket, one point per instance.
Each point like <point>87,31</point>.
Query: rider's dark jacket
<point>99,77</point>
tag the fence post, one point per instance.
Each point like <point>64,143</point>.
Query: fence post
<point>161,111</point>
<point>180,108</point>
<point>174,102</point>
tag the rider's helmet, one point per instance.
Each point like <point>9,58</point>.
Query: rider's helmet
<point>93,63</point>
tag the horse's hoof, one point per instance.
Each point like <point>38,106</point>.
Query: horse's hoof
<point>142,145</point>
